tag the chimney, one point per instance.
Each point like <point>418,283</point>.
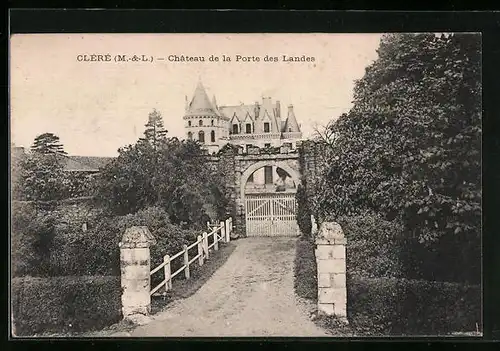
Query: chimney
<point>256,109</point>
<point>186,102</point>
<point>290,109</point>
<point>278,109</point>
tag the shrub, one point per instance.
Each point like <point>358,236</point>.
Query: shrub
<point>170,238</point>
<point>303,211</point>
<point>404,307</point>
<point>373,245</point>
<point>42,248</point>
<point>32,236</point>
<point>306,281</point>
<point>63,304</point>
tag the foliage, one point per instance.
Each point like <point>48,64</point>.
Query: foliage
<point>170,238</point>
<point>410,148</point>
<point>168,173</point>
<point>411,144</point>
<point>32,237</point>
<point>77,184</point>
<point>303,211</point>
<point>42,245</point>
<point>65,304</point>
<point>305,282</point>
<point>37,177</point>
<point>387,306</point>
<point>155,133</point>
<point>47,143</point>
<point>373,245</point>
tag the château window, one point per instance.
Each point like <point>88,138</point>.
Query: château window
<point>212,122</point>
<point>235,129</point>
<point>267,146</point>
<point>266,127</point>
<point>249,146</point>
<point>248,128</point>
<point>190,136</point>
<point>200,122</point>
<point>201,136</point>
<point>189,123</point>
<point>212,136</point>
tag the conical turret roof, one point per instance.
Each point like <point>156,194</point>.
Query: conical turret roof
<point>201,105</point>
<point>291,124</point>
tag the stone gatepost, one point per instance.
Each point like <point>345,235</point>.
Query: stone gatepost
<point>135,271</point>
<point>330,259</point>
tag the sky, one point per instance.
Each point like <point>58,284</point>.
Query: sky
<point>97,107</point>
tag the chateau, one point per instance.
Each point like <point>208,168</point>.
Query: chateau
<point>258,124</point>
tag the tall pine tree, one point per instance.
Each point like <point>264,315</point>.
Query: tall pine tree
<point>48,143</point>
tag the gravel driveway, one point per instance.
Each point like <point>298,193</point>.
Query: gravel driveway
<point>252,294</point>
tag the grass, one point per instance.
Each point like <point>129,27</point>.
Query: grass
<point>183,288</point>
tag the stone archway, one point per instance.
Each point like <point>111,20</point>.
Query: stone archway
<point>269,212</point>
<point>260,164</point>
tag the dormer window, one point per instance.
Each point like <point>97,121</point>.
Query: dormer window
<point>248,128</point>
<point>290,129</point>
<point>200,122</point>
<point>267,128</point>
<point>235,128</point>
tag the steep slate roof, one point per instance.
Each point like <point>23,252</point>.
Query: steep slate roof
<point>84,163</point>
<point>272,117</point>
<point>201,105</point>
<point>241,111</point>
<point>291,121</point>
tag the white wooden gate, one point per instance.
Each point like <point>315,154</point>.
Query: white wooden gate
<point>271,214</point>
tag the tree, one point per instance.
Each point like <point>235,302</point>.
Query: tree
<point>155,136</point>
<point>155,132</point>
<point>47,143</point>
<point>161,171</point>
<point>409,149</point>
<point>38,177</point>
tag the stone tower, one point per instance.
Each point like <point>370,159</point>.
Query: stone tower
<point>204,122</point>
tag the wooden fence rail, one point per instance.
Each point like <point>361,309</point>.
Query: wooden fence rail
<point>219,232</point>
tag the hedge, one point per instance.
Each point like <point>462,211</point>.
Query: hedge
<point>373,245</point>
<point>392,306</point>
<point>305,270</point>
<point>42,246</point>
<point>303,211</point>
<point>65,304</point>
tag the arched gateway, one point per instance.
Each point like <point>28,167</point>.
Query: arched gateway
<point>267,191</point>
<point>263,173</point>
